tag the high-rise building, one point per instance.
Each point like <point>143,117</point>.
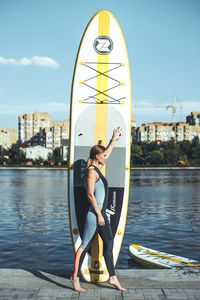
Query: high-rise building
<point>39,129</point>
<point>8,137</point>
<point>193,119</point>
<point>158,131</point>
<point>60,132</point>
<point>57,134</point>
<point>31,125</point>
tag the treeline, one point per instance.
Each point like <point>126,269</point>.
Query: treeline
<point>16,157</point>
<point>166,153</point>
<point>142,154</point>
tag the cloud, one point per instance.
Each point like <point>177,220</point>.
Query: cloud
<point>41,61</point>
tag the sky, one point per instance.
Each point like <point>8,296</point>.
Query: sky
<point>39,40</point>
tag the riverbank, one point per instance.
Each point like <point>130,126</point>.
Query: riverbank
<point>132,168</point>
<point>33,168</point>
<point>140,285</point>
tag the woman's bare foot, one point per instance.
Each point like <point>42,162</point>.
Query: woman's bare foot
<point>76,284</point>
<point>114,281</point>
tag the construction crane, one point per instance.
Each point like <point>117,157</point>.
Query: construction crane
<point>173,107</point>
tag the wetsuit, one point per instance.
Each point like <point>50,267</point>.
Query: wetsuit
<point>92,228</point>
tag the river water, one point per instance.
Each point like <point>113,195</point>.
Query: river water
<point>164,214</point>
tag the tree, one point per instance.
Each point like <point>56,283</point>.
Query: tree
<point>148,147</point>
<point>185,147</point>
<point>136,154</point>
<point>195,148</point>
<point>55,157</point>
<point>195,141</point>
<point>16,155</point>
<point>156,158</point>
<point>3,159</point>
<point>38,161</point>
<point>172,152</point>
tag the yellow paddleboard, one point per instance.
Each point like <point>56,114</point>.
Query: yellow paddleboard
<point>100,101</point>
<point>157,259</point>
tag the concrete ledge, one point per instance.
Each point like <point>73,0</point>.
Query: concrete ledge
<point>141,285</point>
<point>130,278</point>
<point>66,168</point>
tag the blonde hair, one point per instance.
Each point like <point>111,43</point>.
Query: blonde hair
<point>97,149</point>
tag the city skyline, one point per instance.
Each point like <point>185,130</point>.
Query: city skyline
<point>39,129</point>
<point>40,40</point>
<point>68,119</point>
<point>133,120</point>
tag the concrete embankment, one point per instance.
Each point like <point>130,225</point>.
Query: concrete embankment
<point>141,284</point>
<point>132,168</point>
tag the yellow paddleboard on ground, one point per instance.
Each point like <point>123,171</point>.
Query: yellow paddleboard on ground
<point>157,259</point>
<point>100,101</point>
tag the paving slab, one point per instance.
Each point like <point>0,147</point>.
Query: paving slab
<point>153,294</point>
<point>141,284</point>
<point>64,293</point>
<point>154,278</point>
<point>110,294</point>
<point>192,294</point>
<point>136,294</point>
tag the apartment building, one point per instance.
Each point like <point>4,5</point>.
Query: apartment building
<point>133,123</point>
<point>193,119</point>
<point>60,133</point>
<point>57,135</point>
<point>158,131</point>
<point>39,129</point>
<point>187,132</point>
<point>8,137</point>
<point>31,127</point>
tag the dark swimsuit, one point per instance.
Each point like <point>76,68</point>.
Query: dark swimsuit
<point>92,228</point>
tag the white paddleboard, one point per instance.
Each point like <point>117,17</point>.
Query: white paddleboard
<point>100,101</point>
<point>157,259</point>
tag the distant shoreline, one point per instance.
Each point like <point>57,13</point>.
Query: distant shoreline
<point>165,168</point>
<point>132,168</point>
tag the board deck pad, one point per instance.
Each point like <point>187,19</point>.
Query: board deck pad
<point>157,259</point>
<point>100,102</point>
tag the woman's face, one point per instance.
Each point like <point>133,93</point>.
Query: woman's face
<point>102,157</point>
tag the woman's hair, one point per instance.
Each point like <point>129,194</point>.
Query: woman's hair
<point>97,149</point>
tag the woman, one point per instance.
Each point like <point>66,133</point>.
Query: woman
<point>97,221</point>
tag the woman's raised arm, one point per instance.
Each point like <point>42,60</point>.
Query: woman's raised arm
<point>117,133</point>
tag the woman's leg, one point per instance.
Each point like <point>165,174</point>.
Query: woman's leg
<point>77,260</point>
<point>75,279</point>
<point>90,231</point>
<point>80,255</point>
<point>89,234</point>
<point>107,237</point>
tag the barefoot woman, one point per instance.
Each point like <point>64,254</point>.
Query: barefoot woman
<point>97,221</point>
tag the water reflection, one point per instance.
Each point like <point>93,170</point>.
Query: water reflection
<point>163,214</point>
<point>34,219</point>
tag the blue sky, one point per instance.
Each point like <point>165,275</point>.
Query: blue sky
<point>163,41</point>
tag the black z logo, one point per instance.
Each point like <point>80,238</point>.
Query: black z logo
<point>103,45</point>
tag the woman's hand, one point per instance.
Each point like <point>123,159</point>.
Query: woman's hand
<point>101,221</point>
<point>117,133</point>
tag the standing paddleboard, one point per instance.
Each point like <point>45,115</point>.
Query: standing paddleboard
<point>100,101</point>
<point>157,259</point>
